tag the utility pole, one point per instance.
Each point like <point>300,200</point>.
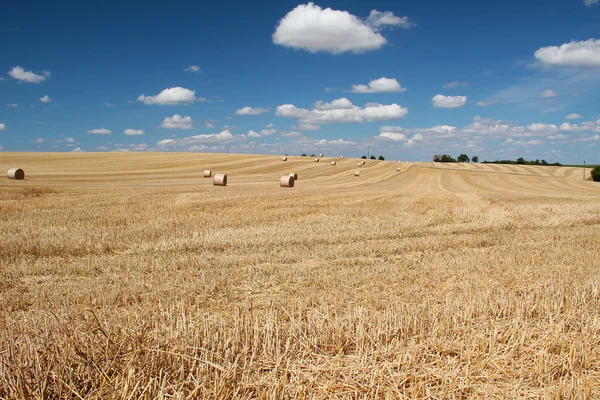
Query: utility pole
<point>584,170</point>
<point>227,149</point>
<point>368,147</point>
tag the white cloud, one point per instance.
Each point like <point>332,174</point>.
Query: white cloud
<point>393,136</point>
<point>70,140</point>
<point>291,134</point>
<point>222,137</point>
<point>269,126</point>
<point>133,132</point>
<point>338,104</point>
<point>38,141</point>
<point>573,116</point>
<point>177,122</point>
<point>46,99</point>
<point>330,89</point>
<point>442,101</point>
<point>584,126</point>
<point>209,125</point>
<point>28,76</point>
<point>101,131</point>
<point>78,150</point>
<point>558,136</point>
<point>575,54</point>
<point>193,68</point>
<point>485,103</point>
<point>377,19</point>
<point>589,3</point>
<point>308,127</point>
<point>251,111</point>
<point>396,129</point>
<point>369,113</point>
<point>12,105</point>
<point>548,93</point>
<point>311,28</point>
<point>252,134</point>
<point>335,142</point>
<point>524,143</point>
<point>1,148</point>
<point>171,96</point>
<point>451,85</point>
<point>381,85</point>
<point>109,105</point>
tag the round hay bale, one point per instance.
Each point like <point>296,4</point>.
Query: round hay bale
<point>333,163</point>
<point>294,175</point>
<point>356,173</point>
<point>283,158</point>
<point>342,156</point>
<point>220,180</point>
<point>316,159</point>
<point>286,181</point>
<point>363,162</point>
<point>398,169</point>
<point>359,164</point>
<point>207,173</point>
<point>15,173</point>
<point>320,155</point>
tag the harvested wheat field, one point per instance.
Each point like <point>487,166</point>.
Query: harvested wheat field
<point>131,276</point>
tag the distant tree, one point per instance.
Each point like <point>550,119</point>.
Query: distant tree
<point>381,158</point>
<point>303,154</point>
<point>475,159</point>
<point>312,155</point>
<point>596,174</point>
<point>447,158</point>
<point>372,158</point>
<point>463,158</point>
<point>521,160</point>
<point>544,162</point>
<point>364,157</point>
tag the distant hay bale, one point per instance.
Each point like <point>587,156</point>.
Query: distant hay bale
<point>359,164</point>
<point>333,163</point>
<point>294,175</point>
<point>398,169</point>
<point>15,173</point>
<point>356,173</point>
<point>317,159</point>
<point>286,181</point>
<point>342,156</point>
<point>284,158</point>
<point>320,155</point>
<point>220,180</point>
<point>207,173</point>
<point>363,162</point>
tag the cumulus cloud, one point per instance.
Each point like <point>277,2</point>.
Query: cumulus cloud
<point>46,99</point>
<point>78,150</point>
<point>263,133</point>
<point>38,141</point>
<point>221,137</point>
<point>133,132</point>
<point>381,85</point>
<point>308,127</point>
<point>252,134</point>
<point>548,93</point>
<point>171,96</point>
<point>575,54</point>
<point>101,131</point>
<point>20,74</point>
<point>393,136</point>
<point>251,111</point>
<point>177,122</point>
<point>441,101</point>
<point>328,114</point>
<point>573,116</point>
<point>451,85</point>
<point>209,125</point>
<point>377,20</point>
<point>193,68</point>
<point>311,28</point>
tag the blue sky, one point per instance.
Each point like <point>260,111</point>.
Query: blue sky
<point>409,79</point>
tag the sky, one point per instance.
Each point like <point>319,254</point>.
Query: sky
<point>402,79</point>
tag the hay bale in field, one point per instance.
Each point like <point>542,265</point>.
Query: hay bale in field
<point>356,173</point>
<point>333,163</point>
<point>15,173</point>
<point>359,164</point>
<point>294,175</point>
<point>320,155</point>
<point>207,173</point>
<point>283,158</point>
<point>342,156</point>
<point>317,159</point>
<point>220,180</point>
<point>363,162</point>
<point>286,181</point>
<point>398,169</point>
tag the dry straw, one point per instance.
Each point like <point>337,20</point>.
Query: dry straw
<point>333,163</point>
<point>220,180</point>
<point>316,159</point>
<point>294,175</point>
<point>15,173</point>
<point>286,181</point>
<point>356,173</point>
<point>284,158</point>
<point>207,173</point>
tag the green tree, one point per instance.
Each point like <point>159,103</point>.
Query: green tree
<point>381,158</point>
<point>596,174</point>
<point>364,157</point>
<point>303,154</point>
<point>475,159</point>
<point>312,155</point>
<point>463,158</point>
<point>373,158</point>
<point>521,161</point>
<point>447,158</point>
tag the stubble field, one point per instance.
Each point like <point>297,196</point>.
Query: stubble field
<point>130,276</point>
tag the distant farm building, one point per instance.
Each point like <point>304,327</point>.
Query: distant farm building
<point>438,157</point>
